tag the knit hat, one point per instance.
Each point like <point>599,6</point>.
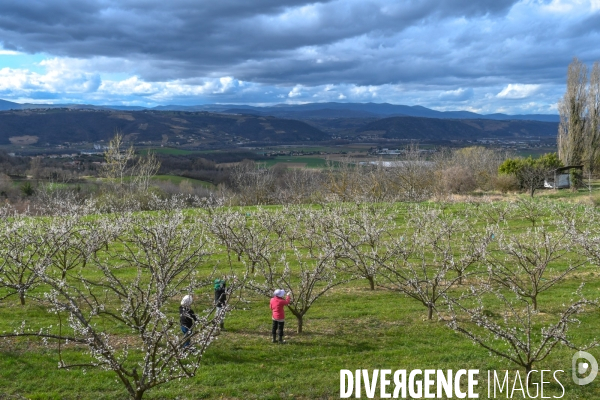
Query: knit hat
<point>187,300</point>
<point>279,293</point>
<point>219,283</point>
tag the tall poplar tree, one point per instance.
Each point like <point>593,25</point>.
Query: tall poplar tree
<point>573,113</point>
<point>592,146</point>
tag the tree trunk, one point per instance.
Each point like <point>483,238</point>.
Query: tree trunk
<point>371,282</point>
<point>22,298</point>
<point>535,305</point>
<point>430,311</point>
<point>460,277</point>
<point>139,394</point>
<point>299,318</point>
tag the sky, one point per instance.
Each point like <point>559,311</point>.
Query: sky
<point>484,56</point>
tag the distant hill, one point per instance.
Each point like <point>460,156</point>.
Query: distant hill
<point>54,126</point>
<point>366,110</point>
<point>200,129</point>
<point>306,111</point>
<point>8,105</point>
<point>455,129</point>
<point>325,113</point>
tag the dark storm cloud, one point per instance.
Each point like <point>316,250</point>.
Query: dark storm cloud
<point>259,40</point>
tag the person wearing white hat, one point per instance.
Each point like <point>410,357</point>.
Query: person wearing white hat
<point>187,317</point>
<point>277,306</point>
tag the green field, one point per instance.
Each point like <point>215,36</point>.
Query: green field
<point>327,149</point>
<point>310,162</point>
<point>174,179</point>
<point>535,151</point>
<point>178,179</point>
<point>350,327</point>
<point>172,151</point>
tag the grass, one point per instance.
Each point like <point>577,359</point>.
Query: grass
<point>583,194</point>
<point>170,151</point>
<point>174,179</point>
<point>311,162</point>
<point>178,179</point>
<point>352,328</point>
<point>327,149</point>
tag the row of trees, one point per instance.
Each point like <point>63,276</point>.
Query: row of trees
<point>416,176</point>
<point>481,275</point>
<point>111,284</point>
<point>113,281</point>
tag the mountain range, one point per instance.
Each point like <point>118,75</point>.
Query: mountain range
<point>47,127</point>
<point>305,111</point>
<point>226,127</point>
<point>456,129</point>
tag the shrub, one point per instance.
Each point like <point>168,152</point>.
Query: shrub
<point>458,180</point>
<point>27,189</point>
<point>506,183</point>
<point>530,172</point>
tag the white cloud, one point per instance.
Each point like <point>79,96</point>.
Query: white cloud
<point>559,6</point>
<point>295,92</point>
<point>129,86</point>
<point>459,94</point>
<point>67,76</point>
<point>569,6</point>
<point>11,79</point>
<point>518,91</point>
<point>103,80</point>
<point>23,81</point>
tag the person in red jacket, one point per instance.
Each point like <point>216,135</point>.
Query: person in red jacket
<point>277,305</point>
